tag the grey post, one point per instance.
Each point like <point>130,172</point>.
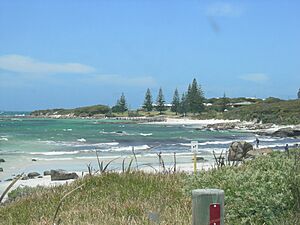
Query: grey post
<point>201,200</point>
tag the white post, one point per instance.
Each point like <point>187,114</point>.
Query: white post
<point>208,207</point>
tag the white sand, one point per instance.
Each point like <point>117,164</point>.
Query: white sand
<point>45,181</point>
<point>186,121</point>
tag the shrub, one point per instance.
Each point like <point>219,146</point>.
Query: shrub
<point>258,192</point>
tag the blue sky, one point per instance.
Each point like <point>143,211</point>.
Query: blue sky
<point>69,53</point>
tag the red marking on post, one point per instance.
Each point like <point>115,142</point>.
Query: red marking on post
<point>214,214</point>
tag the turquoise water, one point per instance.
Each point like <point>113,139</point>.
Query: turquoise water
<point>70,143</point>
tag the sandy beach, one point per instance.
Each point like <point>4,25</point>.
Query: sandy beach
<point>46,181</point>
<point>187,121</point>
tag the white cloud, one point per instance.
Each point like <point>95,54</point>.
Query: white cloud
<point>23,64</point>
<point>223,9</point>
<point>255,77</point>
<point>113,79</point>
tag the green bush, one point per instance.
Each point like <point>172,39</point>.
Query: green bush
<point>258,192</point>
<point>269,111</point>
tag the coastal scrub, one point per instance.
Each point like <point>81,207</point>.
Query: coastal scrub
<point>261,191</point>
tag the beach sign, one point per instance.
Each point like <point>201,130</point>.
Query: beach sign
<point>194,149</point>
<point>194,146</point>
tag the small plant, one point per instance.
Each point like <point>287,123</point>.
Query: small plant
<point>10,186</point>
<point>103,168</point>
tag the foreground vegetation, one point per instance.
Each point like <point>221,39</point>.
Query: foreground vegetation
<point>261,191</point>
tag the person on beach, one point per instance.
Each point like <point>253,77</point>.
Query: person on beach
<point>257,142</point>
<point>286,148</point>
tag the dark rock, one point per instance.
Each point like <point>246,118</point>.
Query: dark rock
<point>47,173</point>
<point>199,158</point>
<point>33,175</point>
<point>287,132</point>
<point>238,150</point>
<point>34,160</point>
<point>25,178</point>
<point>10,179</point>
<point>40,176</point>
<point>1,169</point>
<point>62,175</point>
<point>2,160</point>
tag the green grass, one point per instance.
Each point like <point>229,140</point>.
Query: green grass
<point>261,191</point>
<point>278,112</point>
<point>109,199</point>
<point>81,111</point>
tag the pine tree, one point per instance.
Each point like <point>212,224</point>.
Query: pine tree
<point>148,103</point>
<point>183,106</point>
<point>299,94</point>
<point>188,98</point>
<point>121,105</point>
<point>175,102</point>
<point>195,98</point>
<point>224,102</point>
<point>160,102</point>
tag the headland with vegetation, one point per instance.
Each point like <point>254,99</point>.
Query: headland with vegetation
<point>191,104</point>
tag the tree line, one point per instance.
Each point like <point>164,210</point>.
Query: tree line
<point>191,101</point>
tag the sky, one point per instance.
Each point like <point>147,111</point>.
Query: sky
<point>71,53</point>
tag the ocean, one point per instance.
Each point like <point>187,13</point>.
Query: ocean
<point>42,144</point>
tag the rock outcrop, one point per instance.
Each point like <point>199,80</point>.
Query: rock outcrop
<point>239,150</point>
<point>62,175</point>
<point>25,178</point>
<point>287,132</point>
<point>238,126</point>
<point>47,173</point>
<point>2,160</point>
<point>32,175</point>
<point>261,151</point>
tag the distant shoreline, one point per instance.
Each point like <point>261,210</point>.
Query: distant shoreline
<point>268,129</point>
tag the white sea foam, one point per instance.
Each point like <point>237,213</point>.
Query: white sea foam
<point>209,143</point>
<point>279,145</point>
<point>215,142</point>
<point>102,157</point>
<point>53,159</point>
<point>67,129</point>
<point>119,133</point>
<point>181,154</point>
<point>106,132</point>
<point>82,144</point>
<point>113,132</point>
<point>146,134</point>
<point>3,139</point>
<point>129,148</point>
<point>54,153</point>
<point>269,139</point>
<point>81,140</point>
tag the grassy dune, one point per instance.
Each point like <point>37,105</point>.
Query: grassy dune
<point>262,191</point>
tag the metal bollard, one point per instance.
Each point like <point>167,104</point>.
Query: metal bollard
<point>208,207</point>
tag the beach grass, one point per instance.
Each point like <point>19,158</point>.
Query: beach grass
<point>261,191</point>
<point>112,198</point>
